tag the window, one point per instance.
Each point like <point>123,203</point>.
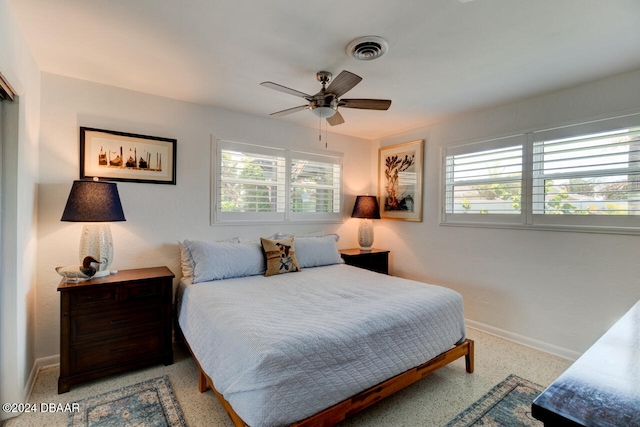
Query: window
<point>583,177</point>
<point>596,174</point>
<point>483,181</point>
<point>251,182</point>
<point>315,186</point>
<point>257,183</point>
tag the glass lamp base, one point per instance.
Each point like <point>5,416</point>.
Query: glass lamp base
<point>365,234</point>
<point>96,241</point>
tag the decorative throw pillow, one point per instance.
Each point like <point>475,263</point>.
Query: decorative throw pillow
<point>280,255</point>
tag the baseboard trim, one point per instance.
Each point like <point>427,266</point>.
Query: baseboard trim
<point>41,363</point>
<point>45,362</point>
<point>565,353</point>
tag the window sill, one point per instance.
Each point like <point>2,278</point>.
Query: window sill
<point>276,222</point>
<point>633,231</point>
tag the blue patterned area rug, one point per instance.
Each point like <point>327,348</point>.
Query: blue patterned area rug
<point>150,403</point>
<point>507,404</point>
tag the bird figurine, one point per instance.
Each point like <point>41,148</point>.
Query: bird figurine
<point>87,269</point>
<point>79,273</point>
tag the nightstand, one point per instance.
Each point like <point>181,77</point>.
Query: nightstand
<point>375,260</point>
<point>114,323</point>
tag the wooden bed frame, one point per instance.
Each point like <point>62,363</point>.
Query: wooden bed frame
<point>362,400</point>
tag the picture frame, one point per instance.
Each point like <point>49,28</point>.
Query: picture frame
<point>400,174</point>
<point>120,156</point>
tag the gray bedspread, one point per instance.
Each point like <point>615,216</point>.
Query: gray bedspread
<point>285,347</point>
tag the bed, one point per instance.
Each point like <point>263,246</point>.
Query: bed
<point>314,346</point>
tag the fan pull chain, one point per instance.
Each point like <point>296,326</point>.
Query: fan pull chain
<point>326,137</point>
<point>326,145</point>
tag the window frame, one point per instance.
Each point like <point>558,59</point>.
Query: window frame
<point>278,155</point>
<point>316,158</point>
<point>611,224</point>
<point>451,218</point>
<point>286,215</point>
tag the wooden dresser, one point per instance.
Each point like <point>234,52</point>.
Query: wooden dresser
<point>114,323</point>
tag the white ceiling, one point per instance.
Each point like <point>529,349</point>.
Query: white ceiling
<point>444,57</point>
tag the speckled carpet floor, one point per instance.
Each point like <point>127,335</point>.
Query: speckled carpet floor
<point>431,402</point>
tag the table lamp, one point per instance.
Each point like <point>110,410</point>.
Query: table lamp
<point>366,208</point>
<point>96,203</point>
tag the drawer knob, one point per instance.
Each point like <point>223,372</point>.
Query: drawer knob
<point>117,322</point>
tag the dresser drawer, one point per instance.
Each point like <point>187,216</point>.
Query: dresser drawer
<point>85,358</point>
<point>148,291</point>
<point>89,326</point>
<point>120,297</point>
<point>92,299</point>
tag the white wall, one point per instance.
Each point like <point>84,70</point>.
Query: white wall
<point>18,233</point>
<point>558,290</point>
<point>157,215</point>
<point>545,288</point>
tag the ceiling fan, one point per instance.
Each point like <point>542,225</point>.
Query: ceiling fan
<point>325,103</point>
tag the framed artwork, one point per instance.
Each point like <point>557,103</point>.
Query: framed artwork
<point>119,156</point>
<point>400,181</point>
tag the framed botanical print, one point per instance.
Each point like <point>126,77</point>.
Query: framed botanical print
<point>400,181</point>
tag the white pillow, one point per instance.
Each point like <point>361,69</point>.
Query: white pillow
<point>280,235</point>
<point>186,261</point>
<point>317,251</point>
<point>224,260</point>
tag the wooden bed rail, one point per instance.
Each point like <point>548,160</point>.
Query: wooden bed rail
<point>364,399</point>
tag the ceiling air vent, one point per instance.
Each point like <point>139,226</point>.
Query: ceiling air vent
<point>367,48</point>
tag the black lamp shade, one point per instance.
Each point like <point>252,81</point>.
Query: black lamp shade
<point>366,207</point>
<point>93,201</point>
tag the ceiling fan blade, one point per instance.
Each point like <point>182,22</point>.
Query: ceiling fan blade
<point>289,111</point>
<point>336,119</point>
<point>285,89</point>
<point>343,83</point>
<point>366,104</point>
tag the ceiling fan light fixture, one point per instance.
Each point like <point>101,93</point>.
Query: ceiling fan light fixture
<point>367,48</point>
<point>326,103</point>
<point>324,112</point>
